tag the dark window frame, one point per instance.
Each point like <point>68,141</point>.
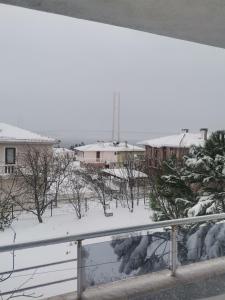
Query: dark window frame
<point>98,154</point>
<point>14,154</point>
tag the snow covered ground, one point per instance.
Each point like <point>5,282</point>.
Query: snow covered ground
<point>63,222</point>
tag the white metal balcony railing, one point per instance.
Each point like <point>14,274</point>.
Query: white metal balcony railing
<point>79,238</point>
<point>7,169</point>
<point>94,160</point>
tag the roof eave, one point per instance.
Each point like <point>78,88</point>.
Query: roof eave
<point>21,141</point>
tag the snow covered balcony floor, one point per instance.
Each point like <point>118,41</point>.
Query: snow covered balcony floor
<point>202,280</point>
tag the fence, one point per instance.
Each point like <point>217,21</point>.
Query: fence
<point>141,194</point>
<point>172,225</point>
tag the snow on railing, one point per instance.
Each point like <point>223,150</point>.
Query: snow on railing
<point>79,238</point>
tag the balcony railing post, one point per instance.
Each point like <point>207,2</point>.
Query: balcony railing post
<point>79,270</point>
<point>173,250</point>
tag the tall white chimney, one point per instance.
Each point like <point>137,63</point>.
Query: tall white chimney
<point>204,133</point>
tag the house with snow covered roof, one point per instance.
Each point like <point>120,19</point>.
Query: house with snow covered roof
<point>161,149</point>
<point>13,142</point>
<point>108,154</point>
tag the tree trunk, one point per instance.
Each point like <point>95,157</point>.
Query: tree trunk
<point>39,218</point>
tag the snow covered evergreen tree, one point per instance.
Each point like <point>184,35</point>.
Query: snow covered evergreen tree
<point>142,253</point>
<point>196,188</point>
<point>171,196</point>
<point>204,171</point>
<point>215,145</point>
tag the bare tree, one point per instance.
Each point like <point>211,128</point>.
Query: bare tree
<point>76,188</point>
<point>132,179</point>
<point>40,174</point>
<point>7,192</point>
<point>98,182</point>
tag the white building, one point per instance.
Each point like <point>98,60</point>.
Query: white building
<point>107,153</point>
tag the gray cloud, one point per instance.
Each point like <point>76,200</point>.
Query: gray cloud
<point>58,75</point>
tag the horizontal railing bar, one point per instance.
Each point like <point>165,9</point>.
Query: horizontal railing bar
<point>110,232</point>
<point>39,266</point>
<point>36,286</point>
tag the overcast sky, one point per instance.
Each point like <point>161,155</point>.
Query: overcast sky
<point>58,75</point>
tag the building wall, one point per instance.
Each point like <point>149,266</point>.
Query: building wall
<point>130,155</point>
<point>155,156</point>
<point>21,149</point>
<point>108,156</point>
<point>90,157</point>
<point>8,182</point>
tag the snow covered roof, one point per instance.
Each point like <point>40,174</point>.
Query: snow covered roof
<point>123,173</point>
<point>185,140</point>
<point>109,146</point>
<point>63,151</point>
<point>9,133</point>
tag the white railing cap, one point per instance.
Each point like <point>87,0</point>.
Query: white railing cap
<point>111,232</point>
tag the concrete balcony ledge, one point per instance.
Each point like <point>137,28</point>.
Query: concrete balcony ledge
<point>198,21</point>
<point>195,281</point>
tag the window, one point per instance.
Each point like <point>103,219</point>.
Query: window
<point>164,153</point>
<point>98,154</point>
<point>10,156</point>
<point>171,151</point>
<point>151,152</point>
